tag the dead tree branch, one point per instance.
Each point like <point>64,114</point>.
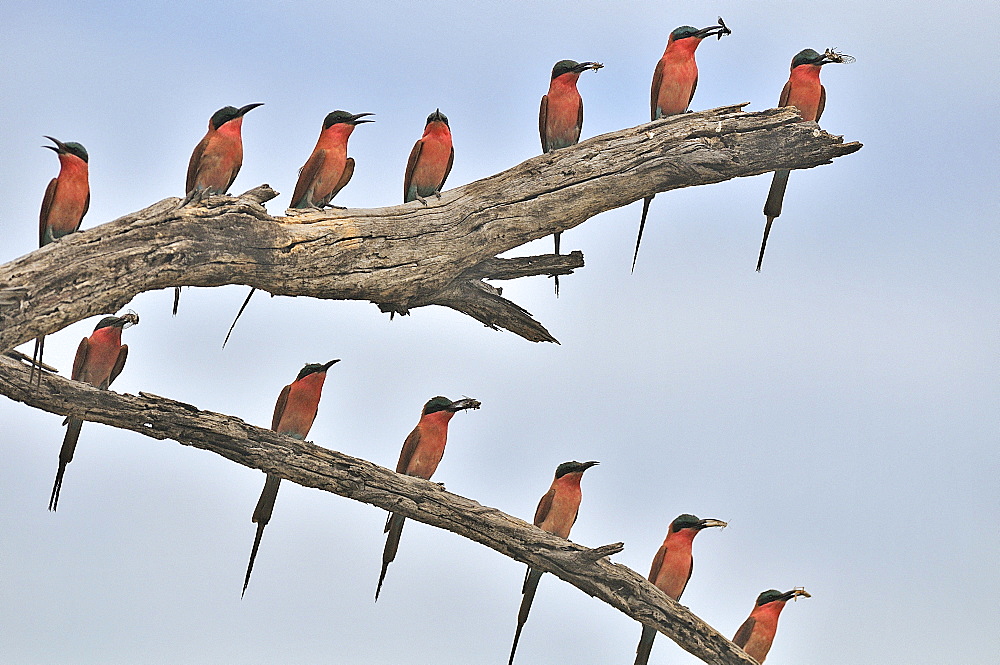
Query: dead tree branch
<point>310,465</point>
<point>403,256</point>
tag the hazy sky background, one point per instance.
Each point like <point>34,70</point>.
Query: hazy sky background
<point>839,409</point>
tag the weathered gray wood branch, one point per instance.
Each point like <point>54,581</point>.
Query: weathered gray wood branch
<point>310,465</point>
<point>403,256</point>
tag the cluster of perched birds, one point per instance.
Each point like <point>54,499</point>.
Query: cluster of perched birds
<point>213,167</point>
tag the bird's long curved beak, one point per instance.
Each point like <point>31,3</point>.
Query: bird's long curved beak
<point>719,30</point>
<point>798,591</point>
<point>835,57</point>
<point>243,110</point>
<point>59,146</point>
<point>355,121</point>
<point>464,403</point>
<point>584,66</point>
<point>586,465</point>
<point>330,364</point>
<point>708,523</point>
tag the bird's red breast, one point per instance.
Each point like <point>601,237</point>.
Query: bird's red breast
<point>301,405</point>
<point>805,91</point>
<point>103,347</point>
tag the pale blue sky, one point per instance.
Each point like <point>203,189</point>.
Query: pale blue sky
<point>839,409</point>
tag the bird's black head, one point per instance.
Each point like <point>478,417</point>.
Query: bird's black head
<point>437,116</point>
<point>686,31</point>
<point>573,467</point>
<point>70,148</point>
<point>344,117</point>
<point>227,113</point>
<point>688,521</point>
<point>440,403</point>
<point>810,57</point>
<point>772,595</point>
<point>567,66</point>
<point>312,368</point>
<point>129,319</point>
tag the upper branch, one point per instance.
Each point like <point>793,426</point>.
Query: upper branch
<point>403,256</point>
<point>310,465</point>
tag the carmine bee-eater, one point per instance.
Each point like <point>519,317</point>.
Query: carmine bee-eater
<point>99,360</point>
<point>803,91</point>
<point>556,514</point>
<point>672,568</point>
<point>216,160</point>
<point>294,413</point>
<point>420,456</point>
<point>674,81</point>
<point>560,116</point>
<point>430,160</point>
<point>66,201</point>
<point>757,632</point>
<point>326,172</point>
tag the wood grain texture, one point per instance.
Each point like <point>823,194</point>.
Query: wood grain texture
<point>310,465</point>
<point>404,256</point>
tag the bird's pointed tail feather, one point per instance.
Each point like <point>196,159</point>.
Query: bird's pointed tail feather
<point>642,225</point>
<point>772,207</point>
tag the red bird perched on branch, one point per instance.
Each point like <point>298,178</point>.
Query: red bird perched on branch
<point>99,360</point>
<point>556,514</point>
<point>430,160</point>
<point>674,82</point>
<point>671,569</point>
<point>757,632</point>
<point>422,452</point>
<point>325,173</point>
<point>216,160</point>
<point>67,199</point>
<point>803,91</point>
<point>294,413</point>
<point>560,116</point>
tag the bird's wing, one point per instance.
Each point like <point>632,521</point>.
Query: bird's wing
<point>411,164</point>
<point>86,207</point>
<point>544,506</point>
<point>822,103</point>
<point>345,177</point>
<point>409,446</point>
<point>80,361</point>
<point>543,114</point>
<point>654,90</point>
<point>654,570</point>
<point>694,87</point>
<point>279,407</point>
<point>43,217</point>
<point>192,172</point>
<point>447,171</point>
<point>783,100</point>
<point>579,122</point>
<point>307,176</point>
<point>119,364</point>
<point>743,634</point>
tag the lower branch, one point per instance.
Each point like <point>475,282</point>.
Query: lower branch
<point>310,465</point>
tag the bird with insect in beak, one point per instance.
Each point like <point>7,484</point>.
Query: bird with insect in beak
<point>99,360</point>
<point>803,91</point>
<point>66,201</point>
<point>560,115</point>
<point>216,160</point>
<point>430,160</point>
<point>556,514</point>
<point>757,632</point>
<point>294,413</point>
<point>422,452</point>
<point>674,82</point>
<point>672,568</point>
<point>325,173</point>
